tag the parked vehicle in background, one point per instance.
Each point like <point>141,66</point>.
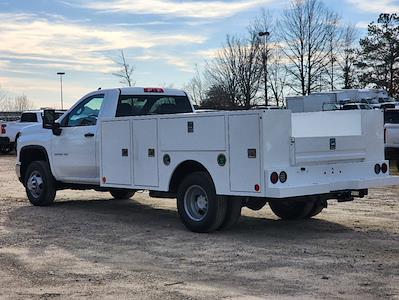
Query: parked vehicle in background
<point>350,106</point>
<point>375,98</point>
<point>331,106</point>
<point>214,163</point>
<point>391,134</point>
<point>10,131</point>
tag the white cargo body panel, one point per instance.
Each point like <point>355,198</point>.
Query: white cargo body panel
<point>204,133</point>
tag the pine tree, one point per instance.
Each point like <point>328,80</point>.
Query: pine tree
<point>378,58</point>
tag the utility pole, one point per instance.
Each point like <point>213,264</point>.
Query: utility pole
<point>265,35</point>
<point>62,100</point>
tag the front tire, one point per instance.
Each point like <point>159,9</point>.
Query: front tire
<point>291,210</point>
<point>200,209</point>
<point>122,193</point>
<point>40,184</point>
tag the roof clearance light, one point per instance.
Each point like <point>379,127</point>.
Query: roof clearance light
<point>153,90</point>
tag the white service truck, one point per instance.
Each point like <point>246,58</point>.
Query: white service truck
<point>10,131</point>
<point>214,163</point>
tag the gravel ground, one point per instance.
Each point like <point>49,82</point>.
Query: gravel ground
<point>90,246</point>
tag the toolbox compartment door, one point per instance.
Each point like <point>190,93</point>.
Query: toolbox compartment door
<point>244,147</point>
<point>145,153</point>
<point>116,153</point>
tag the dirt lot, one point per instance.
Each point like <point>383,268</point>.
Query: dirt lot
<point>89,246</point>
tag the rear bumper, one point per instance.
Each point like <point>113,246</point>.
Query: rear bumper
<point>4,141</point>
<point>324,179</point>
<point>325,188</point>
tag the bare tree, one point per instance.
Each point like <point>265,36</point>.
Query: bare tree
<point>125,72</point>
<point>277,76</point>
<point>304,31</point>
<point>19,103</point>
<point>347,56</point>
<point>263,25</point>
<point>196,87</point>
<point>236,69</point>
<point>249,70</point>
<point>334,35</point>
<point>222,72</point>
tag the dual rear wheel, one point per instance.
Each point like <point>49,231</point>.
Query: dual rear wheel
<point>200,209</point>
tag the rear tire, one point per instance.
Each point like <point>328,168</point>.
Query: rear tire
<point>40,184</point>
<point>122,193</point>
<point>317,208</point>
<point>233,213</point>
<point>200,209</point>
<point>291,210</point>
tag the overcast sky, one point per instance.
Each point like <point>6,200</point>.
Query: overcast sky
<point>164,39</point>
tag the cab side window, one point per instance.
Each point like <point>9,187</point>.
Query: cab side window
<point>86,113</point>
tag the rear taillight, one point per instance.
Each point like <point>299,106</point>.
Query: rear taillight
<point>3,128</point>
<point>274,177</point>
<point>377,169</point>
<point>283,177</point>
<point>384,168</point>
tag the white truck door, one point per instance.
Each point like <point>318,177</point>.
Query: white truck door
<point>145,152</point>
<point>245,166</point>
<point>74,151</point>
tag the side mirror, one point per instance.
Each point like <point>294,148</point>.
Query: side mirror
<point>49,118</point>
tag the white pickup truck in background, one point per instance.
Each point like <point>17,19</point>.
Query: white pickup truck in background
<point>214,163</point>
<point>10,131</point>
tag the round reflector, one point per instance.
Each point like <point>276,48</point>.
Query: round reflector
<point>274,177</point>
<point>283,177</point>
<point>377,169</point>
<point>384,168</point>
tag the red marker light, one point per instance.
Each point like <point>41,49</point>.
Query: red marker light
<point>104,179</point>
<point>274,177</point>
<point>384,168</point>
<point>3,128</point>
<point>257,187</point>
<point>153,90</point>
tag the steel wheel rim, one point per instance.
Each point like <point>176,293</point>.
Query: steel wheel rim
<point>35,184</point>
<point>196,203</point>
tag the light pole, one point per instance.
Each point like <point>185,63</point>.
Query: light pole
<point>265,35</point>
<point>62,100</point>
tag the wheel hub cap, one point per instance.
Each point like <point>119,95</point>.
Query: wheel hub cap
<point>196,203</point>
<point>35,184</point>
